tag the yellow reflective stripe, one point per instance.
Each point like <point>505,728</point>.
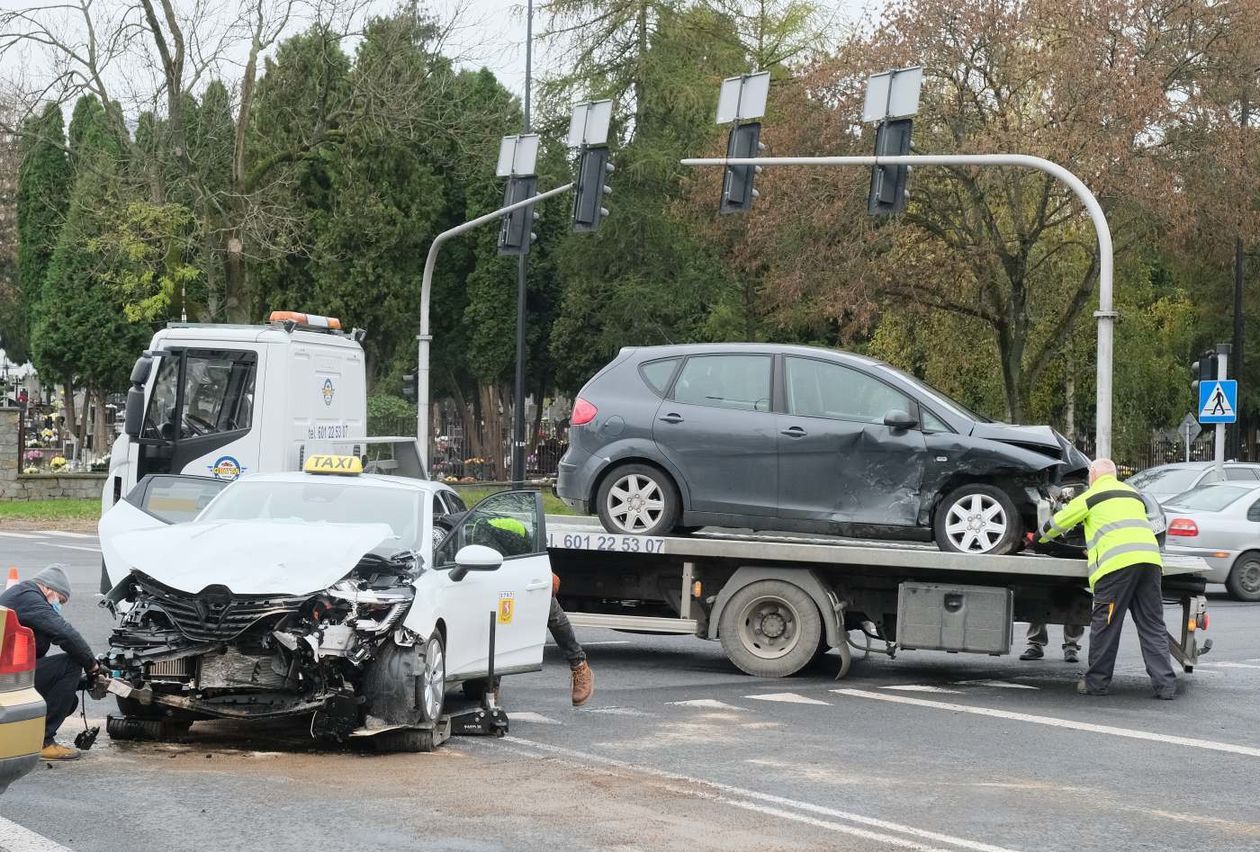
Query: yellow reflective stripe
<point>1127,524</point>
<point>1121,549</point>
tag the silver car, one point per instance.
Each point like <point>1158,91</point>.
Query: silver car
<point>1220,522</point>
<point>1166,481</point>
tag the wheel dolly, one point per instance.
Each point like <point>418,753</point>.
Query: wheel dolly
<point>487,720</point>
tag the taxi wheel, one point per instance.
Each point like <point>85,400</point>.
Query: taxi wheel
<point>1243,582</point>
<point>410,741</point>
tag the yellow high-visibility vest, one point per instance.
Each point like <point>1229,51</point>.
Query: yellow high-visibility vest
<point>1117,532</point>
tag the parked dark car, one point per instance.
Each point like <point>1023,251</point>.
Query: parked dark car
<point>797,438</point>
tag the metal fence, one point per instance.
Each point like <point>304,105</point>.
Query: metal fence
<point>452,455</point>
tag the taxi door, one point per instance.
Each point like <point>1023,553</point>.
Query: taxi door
<point>518,593</point>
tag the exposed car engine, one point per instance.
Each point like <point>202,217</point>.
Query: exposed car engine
<point>219,654</point>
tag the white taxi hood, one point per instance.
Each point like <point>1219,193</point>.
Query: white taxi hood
<point>249,557</point>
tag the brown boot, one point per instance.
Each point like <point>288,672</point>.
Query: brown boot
<point>583,683</point>
<point>56,751</point>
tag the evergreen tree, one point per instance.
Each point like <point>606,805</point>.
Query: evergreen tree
<point>42,197</point>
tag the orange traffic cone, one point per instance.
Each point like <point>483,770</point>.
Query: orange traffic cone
<point>13,577</point>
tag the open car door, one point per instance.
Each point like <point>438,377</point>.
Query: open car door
<point>518,593</point>
<point>157,500</point>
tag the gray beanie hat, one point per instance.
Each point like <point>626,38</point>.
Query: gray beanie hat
<point>54,577</point>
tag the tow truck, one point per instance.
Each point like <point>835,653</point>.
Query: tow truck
<point>778,603</point>
<point>223,400</point>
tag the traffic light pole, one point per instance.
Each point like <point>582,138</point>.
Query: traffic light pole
<point>1222,373</point>
<point>1105,314</point>
<point>426,286</point>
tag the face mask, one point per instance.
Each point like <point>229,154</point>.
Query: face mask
<point>56,605</point>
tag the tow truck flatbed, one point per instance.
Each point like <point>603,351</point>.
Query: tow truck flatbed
<point>767,597</point>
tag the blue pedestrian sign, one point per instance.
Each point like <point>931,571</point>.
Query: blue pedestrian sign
<point>1218,401</point>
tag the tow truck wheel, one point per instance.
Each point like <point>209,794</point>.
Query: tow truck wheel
<point>770,628</point>
<point>1243,582</point>
<point>978,518</point>
<point>636,499</point>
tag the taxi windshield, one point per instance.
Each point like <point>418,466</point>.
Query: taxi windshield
<point>319,500</point>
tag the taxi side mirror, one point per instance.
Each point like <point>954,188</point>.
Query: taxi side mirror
<point>475,557</point>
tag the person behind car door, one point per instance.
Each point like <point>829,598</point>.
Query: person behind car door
<point>1125,576</point>
<point>37,603</point>
<point>1038,637</point>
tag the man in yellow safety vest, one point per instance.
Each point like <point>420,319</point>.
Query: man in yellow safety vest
<point>1125,574</point>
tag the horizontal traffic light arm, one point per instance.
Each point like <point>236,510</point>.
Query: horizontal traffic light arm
<point>1106,313</point>
<point>426,287</point>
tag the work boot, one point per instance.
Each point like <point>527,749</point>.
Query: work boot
<point>1071,655</point>
<point>1034,652</point>
<point>56,751</point>
<point>1083,689</point>
<point>583,683</point>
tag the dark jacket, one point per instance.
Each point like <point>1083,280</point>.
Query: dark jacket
<point>34,611</point>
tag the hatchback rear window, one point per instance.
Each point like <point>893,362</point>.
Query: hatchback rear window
<point>658,373</point>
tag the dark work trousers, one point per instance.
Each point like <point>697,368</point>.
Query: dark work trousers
<point>1136,590</point>
<point>562,632</point>
<point>57,682</point>
<point>1072,634</point>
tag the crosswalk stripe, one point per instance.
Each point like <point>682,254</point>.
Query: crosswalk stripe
<point>916,687</point>
<point>614,711</point>
<point>1054,722</point>
<point>708,704</point>
<point>787,698</point>
<point>998,684</point>
<point>1223,664</point>
<point>529,716</point>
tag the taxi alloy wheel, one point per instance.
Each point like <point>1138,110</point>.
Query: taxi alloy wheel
<point>434,679</point>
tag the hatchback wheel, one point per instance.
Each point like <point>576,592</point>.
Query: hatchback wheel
<point>978,519</point>
<point>638,500</point>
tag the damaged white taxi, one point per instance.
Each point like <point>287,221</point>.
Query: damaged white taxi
<point>350,599</point>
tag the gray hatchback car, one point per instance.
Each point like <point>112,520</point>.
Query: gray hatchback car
<point>796,438</point>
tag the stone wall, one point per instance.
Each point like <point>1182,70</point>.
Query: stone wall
<point>15,485</point>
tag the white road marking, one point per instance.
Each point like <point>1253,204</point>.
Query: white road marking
<point>69,534</point>
<point>999,684</point>
<point>918,687</point>
<point>21,535</point>
<point>614,711</point>
<point>528,716</point>
<point>16,838</point>
<point>1229,665</point>
<point>708,704</point>
<point>772,805</point>
<point>607,642</point>
<point>787,698</point>
<point>1055,722</point>
<point>75,547</point>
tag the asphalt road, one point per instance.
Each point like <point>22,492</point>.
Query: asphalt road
<point>680,750</point>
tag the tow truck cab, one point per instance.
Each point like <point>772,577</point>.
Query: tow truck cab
<point>223,400</point>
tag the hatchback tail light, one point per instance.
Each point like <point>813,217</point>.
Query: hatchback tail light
<point>1183,526</point>
<point>583,412</point>
<point>17,653</point>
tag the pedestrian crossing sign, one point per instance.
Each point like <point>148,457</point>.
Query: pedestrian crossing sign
<point>1218,401</point>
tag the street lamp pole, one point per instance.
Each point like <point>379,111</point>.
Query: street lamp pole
<point>1105,314</point>
<point>518,390</point>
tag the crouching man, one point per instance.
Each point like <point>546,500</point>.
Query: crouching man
<point>37,603</point>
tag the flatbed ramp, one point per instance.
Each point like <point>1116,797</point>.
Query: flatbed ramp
<point>757,593</point>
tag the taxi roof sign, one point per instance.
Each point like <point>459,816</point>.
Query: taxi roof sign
<point>334,465</point>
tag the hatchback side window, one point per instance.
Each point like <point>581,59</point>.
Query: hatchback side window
<point>1253,514</point>
<point>658,373</point>
<point>931,423</point>
<point>726,381</point>
<point>822,389</point>
<point>1244,473</point>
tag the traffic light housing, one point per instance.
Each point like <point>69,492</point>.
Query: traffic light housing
<point>409,387</point>
<point>1203,370</point>
<point>738,190</point>
<point>515,234</point>
<point>592,186</point>
<point>888,183</point>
